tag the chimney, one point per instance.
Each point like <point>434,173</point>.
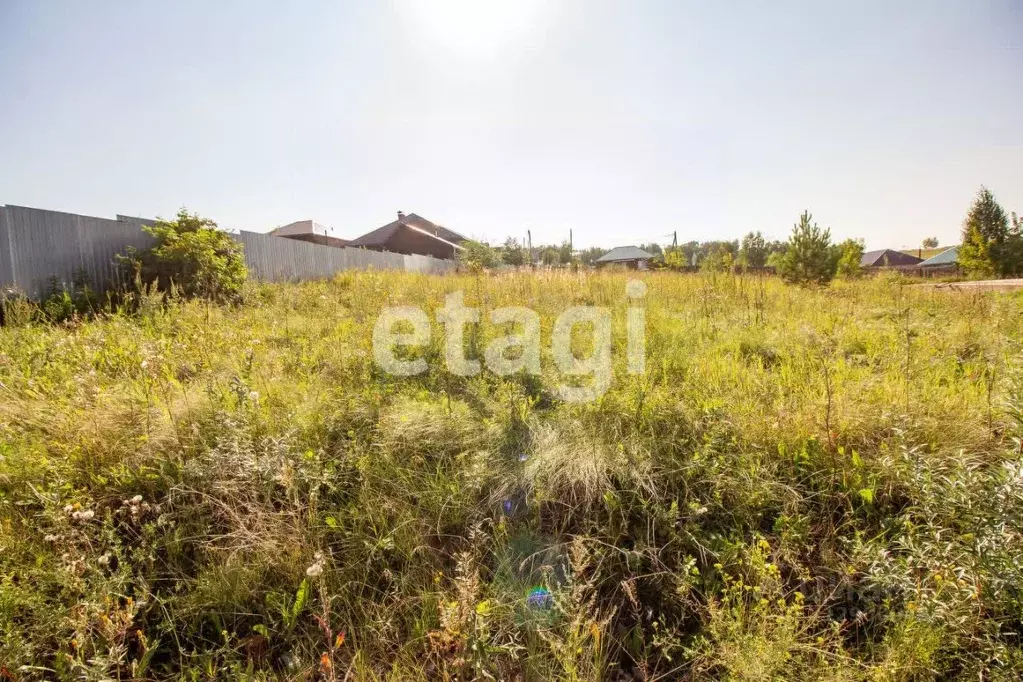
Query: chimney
<point>401,215</point>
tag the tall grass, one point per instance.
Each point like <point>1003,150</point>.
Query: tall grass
<point>805,484</point>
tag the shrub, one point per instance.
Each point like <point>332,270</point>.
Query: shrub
<point>193,256</point>
<point>718,259</point>
<point>63,303</point>
<point>850,253</point>
<point>478,255</point>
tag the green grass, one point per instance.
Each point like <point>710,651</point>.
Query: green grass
<point>805,484</point>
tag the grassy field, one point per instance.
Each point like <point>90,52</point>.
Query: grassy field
<point>805,484</point>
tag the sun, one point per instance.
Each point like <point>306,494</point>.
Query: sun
<point>473,28</point>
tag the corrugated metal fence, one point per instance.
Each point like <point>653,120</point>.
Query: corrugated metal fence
<point>38,246</point>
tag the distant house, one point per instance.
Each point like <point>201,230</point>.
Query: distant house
<point>887,258</point>
<point>628,256</point>
<point>946,260</point>
<point>412,234</point>
<point>308,231</point>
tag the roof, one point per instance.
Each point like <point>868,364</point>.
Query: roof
<point>300,227</point>
<point>624,253</point>
<point>883,257</point>
<point>380,236</point>
<point>949,256</point>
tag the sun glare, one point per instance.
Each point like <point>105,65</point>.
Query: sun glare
<point>473,28</point>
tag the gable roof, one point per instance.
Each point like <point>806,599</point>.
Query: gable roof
<point>380,236</point>
<point>883,257</point>
<point>949,256</point>
<point>624,253</point>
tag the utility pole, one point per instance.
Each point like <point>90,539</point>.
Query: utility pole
<point>529,237</point>
<point>569,241</point>
<point>674,239</point>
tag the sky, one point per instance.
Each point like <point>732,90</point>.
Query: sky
<point>623,122</point>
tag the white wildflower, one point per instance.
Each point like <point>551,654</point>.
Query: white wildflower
<point>83,515</point>
<point>253,395</point>
<point>136,500</point>
<point>104,560</point>
<point>68,508</point>
<point>314,571</point>
<point>50,537</point>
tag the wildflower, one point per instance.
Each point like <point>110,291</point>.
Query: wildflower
<point>253,395</point>
<point>104,560</point>
<point>83,515</point>
<point>50,537</point>
<point>68,508</point>
<point>136,500</point>
<point>523,457</point>
<point>508,506</point>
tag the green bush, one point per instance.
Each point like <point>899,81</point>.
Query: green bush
<point>63,303</point>
<point>192,256</point>
<point>850,253</point>
<point>479,255</point>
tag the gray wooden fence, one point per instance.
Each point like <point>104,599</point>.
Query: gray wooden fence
<point>38,247</point>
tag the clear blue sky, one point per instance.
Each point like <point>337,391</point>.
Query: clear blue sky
<point>620,120</point>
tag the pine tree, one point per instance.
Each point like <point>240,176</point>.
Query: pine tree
<point>989,247</point>
<point>809,257</point>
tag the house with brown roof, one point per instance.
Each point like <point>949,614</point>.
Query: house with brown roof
<point>412,234</point>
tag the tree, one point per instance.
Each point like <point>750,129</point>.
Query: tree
<point>550,255</point>
<point>930,243</point>
<point>512,253</point>
<point>652,248</point>
<point>565,252</point>
<point>589,256</point>
<point>809,257</point>
<point>849,255</point>
<point>478,255</point>
<point>753,252</point>
<point>775,259</point>
<point>674,258</point>
<point>719,259</point>
<point>990,248</point>
<point>194,255</point>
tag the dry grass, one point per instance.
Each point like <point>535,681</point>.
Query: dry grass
<point>805,484</point>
